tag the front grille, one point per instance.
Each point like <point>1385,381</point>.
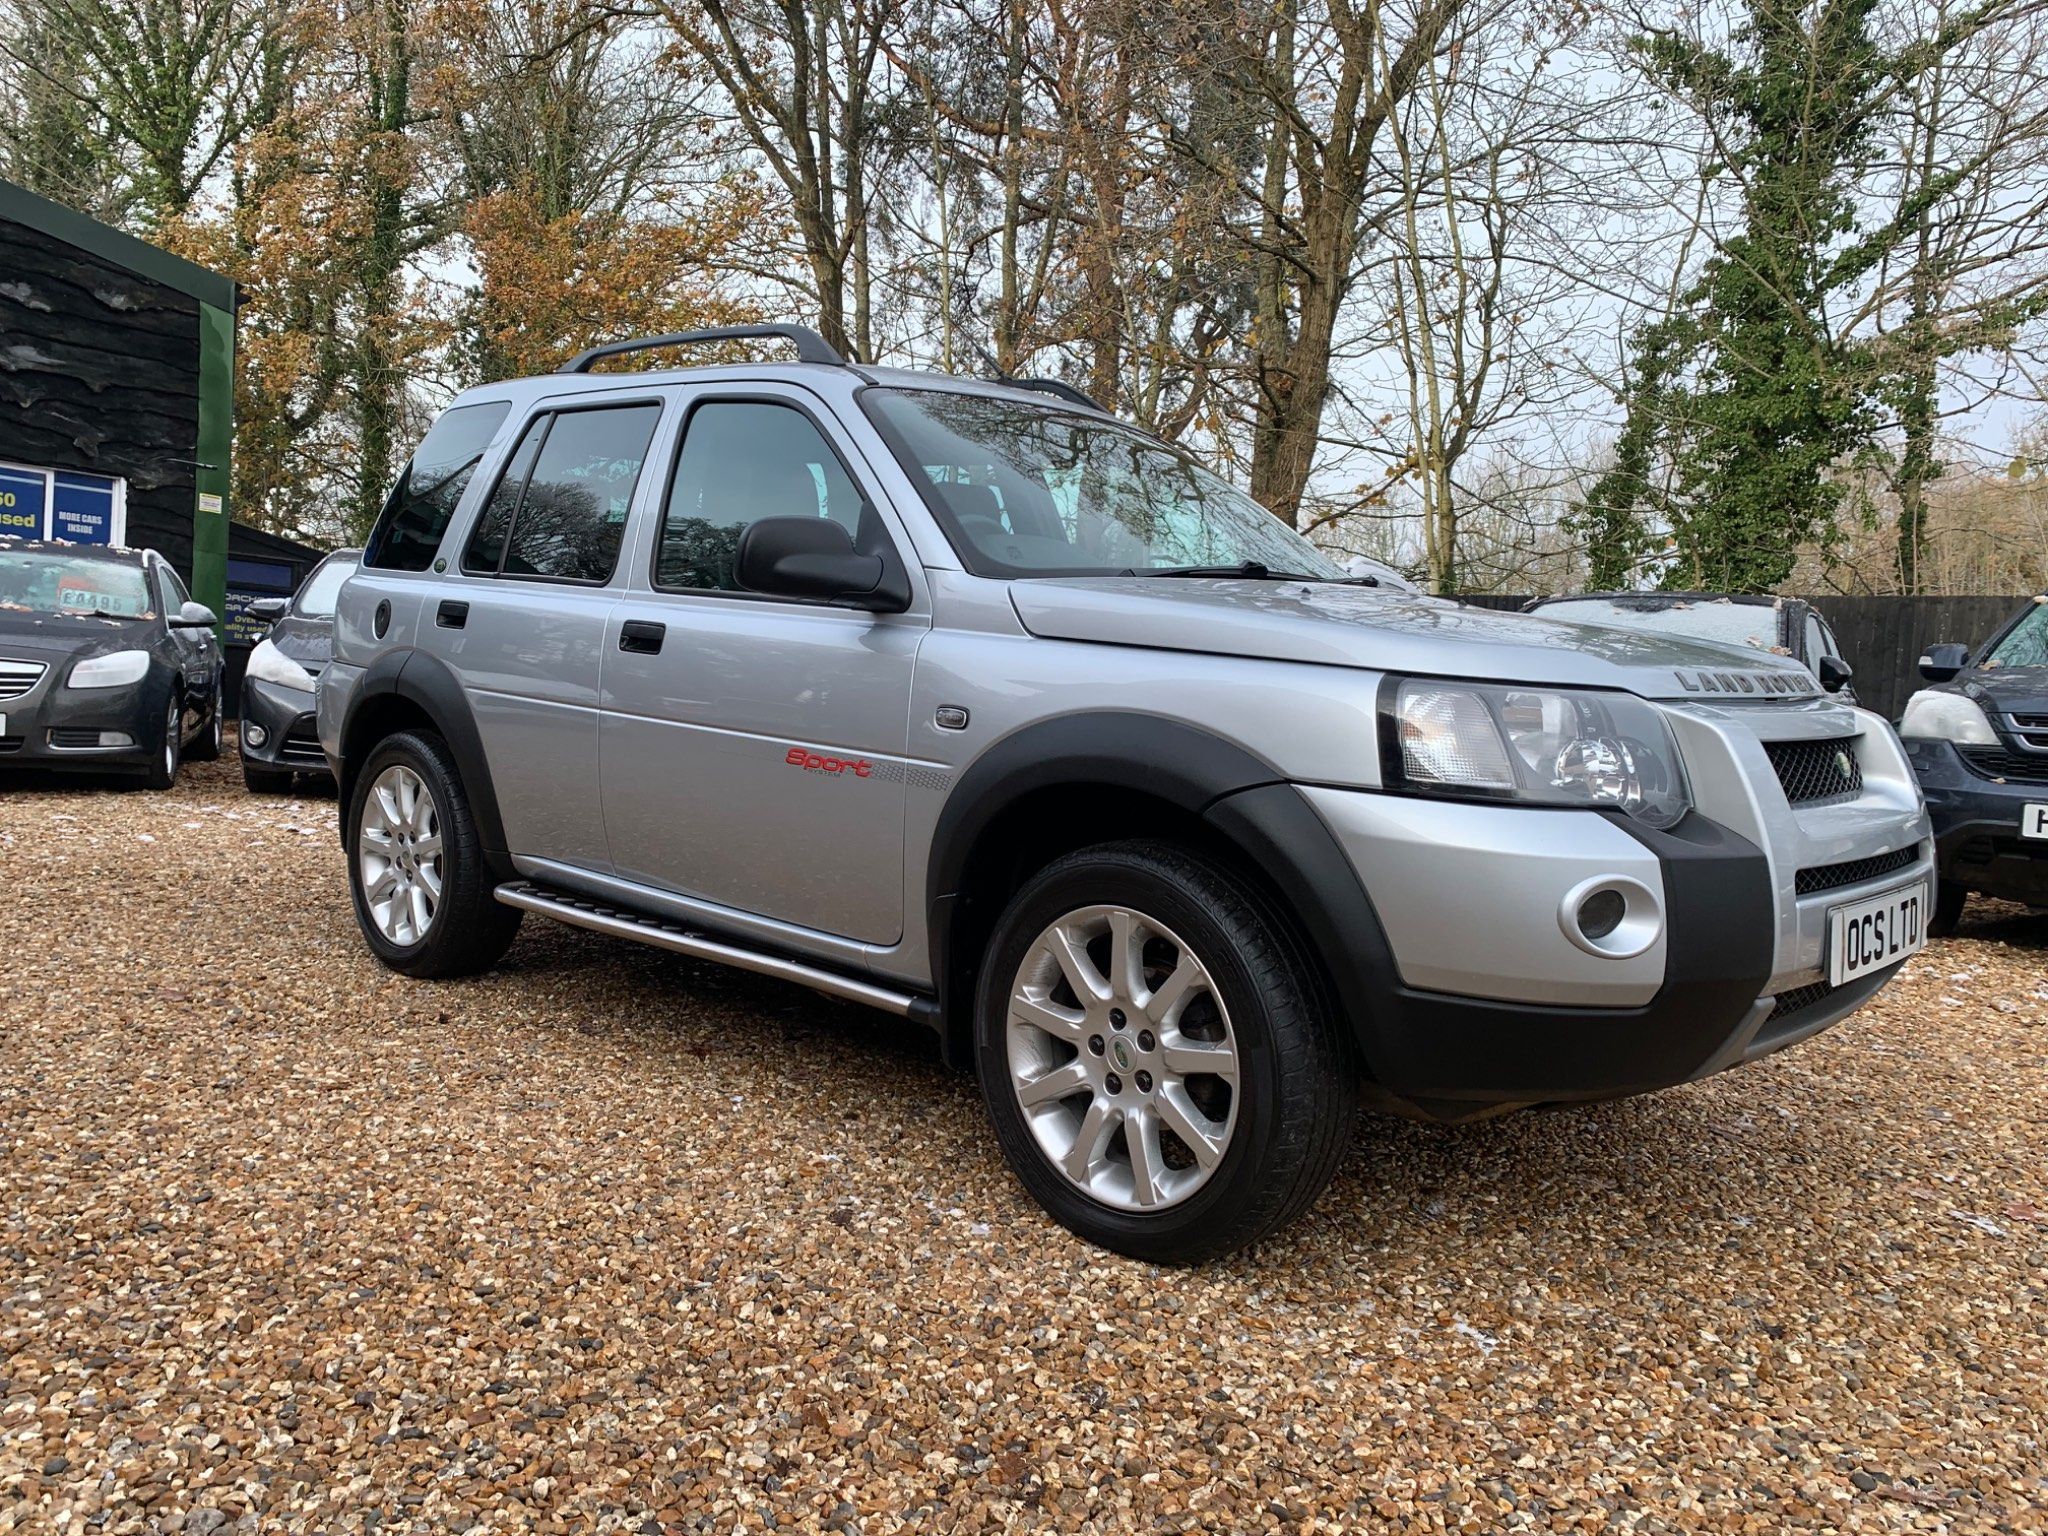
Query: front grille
<point>1829,877</point>
<point>18,677</point>
<point>1815,771</point>
<point>2032,730</point>
<point>2013,767</point>
<point>10,744</point>
<point>301,744</point>
<point>1799,998</point>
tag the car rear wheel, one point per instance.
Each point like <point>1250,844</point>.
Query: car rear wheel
<point>416,867</point>
<point>1160,1069</point>
<point>162,772</point>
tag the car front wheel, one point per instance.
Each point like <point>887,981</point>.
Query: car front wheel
<point>416,867</point>
<point>1159,1067</point>
<point>162,772</point>
<point>207,748</point>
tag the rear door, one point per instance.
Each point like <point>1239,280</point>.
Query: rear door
<point>752,748</point>
<point>522,621</point>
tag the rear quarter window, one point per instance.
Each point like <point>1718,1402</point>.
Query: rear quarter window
<point>417,513</point>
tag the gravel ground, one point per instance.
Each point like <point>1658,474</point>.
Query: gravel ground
<point>609,1241</point>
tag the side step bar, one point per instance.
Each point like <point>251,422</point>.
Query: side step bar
<point>665,933</point>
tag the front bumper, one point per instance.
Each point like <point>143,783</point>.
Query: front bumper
<point>1976,819</point>
<point>52,726</point>
<point>291,738</point>
<point>1443,923</point>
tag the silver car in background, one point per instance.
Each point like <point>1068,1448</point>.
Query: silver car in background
<point>968,702</point>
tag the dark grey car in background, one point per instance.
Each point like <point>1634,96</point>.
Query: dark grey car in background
<point>106,663</point>
<point>1784,626</point>
<point>278,738</point>
<point>1978,739</point>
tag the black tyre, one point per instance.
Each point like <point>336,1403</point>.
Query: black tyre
<point>1160,1067</point>
<point>265,781</point>
<point>1949,901</point>
<point>207,748</point>
<point>162,772</point>
<point>415,866</point>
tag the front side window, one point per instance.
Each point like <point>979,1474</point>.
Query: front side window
<point>1023,490</point>
<point>744,460</point>
<point>84,586</point>
<point>175,595</point>
<point>417,512</point>
<point>2026,643</point>
<point>559,511</point>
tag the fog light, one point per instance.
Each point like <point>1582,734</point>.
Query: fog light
<point>1611,916</point>
<point>116,739</point>
<point>255,735</point>
<point>1601,913</point>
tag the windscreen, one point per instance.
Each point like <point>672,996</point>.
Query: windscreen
<point>1023,490</point>
<point>317,597</point>
<point>2026,644</point>
<point>1751,624</point>
<point>38,581</point>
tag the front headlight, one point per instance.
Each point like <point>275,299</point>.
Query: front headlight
<point>1539,746</point>
<point>113,670</point>
<point>267,664</point>
<point>1933,715</point>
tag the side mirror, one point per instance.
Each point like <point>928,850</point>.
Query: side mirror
<point>815,557</point>
<point>195,616</point>
<point>270,609</point>
<point>1942,662</point>
<point>1834,673</point>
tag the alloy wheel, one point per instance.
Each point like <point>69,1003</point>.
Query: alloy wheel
<point>398,852</point>
<point>1123,1059</point>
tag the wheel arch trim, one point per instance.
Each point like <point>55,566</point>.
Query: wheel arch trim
<point>1243,799</point>
<point>430,686</point>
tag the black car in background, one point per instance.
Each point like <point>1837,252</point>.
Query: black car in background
<point>277,735</point>
<point>106,663</point>
<point>1978,739</point>
<point>1785,626</point>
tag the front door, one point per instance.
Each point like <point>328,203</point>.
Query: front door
<point>523,626</point>
<point>753,748</point>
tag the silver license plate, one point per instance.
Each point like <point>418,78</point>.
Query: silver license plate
<point>1868,935</point>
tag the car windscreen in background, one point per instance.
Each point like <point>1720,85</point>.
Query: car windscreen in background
<point>1751,624</point>
<point>2026,643</point>
<point>40,581</point>
<point>317,597</point>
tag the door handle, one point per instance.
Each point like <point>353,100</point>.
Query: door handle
<point>642,636</point>
<point>451,614</point>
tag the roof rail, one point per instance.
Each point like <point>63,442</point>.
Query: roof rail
<point>810,346</point>
<point>1054,387</point>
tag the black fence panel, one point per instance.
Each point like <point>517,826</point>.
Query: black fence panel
<point>1881,637</point>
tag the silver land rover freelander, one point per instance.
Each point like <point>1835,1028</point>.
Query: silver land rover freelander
<point>965,701</point>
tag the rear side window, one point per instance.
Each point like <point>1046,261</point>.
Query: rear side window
<point>559,511</point>
<point>416,514</point>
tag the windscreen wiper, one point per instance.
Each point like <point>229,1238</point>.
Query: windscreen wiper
<point>1246,570</point>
